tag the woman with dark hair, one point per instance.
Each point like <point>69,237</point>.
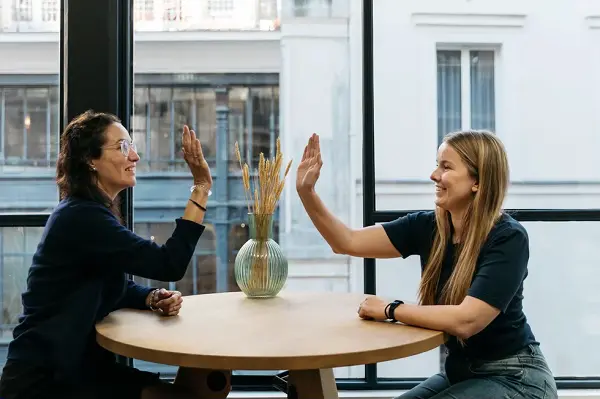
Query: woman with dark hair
<point>79,271</point>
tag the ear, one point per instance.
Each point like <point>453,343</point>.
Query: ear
<point>92,167</point>
<point>475,187</point>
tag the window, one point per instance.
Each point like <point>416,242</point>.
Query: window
<point>218,8</point>
<point>143,10</point>
<point>173,10</point>
<point>29,136</point>
<point>465,90</point>
<point>254,90</point>
<point>311,8</point>
<point>29,126</point>
<point>480,70</point>
<point>22,11</point>
<point>17,246</point>
<point>221,113</point>
<point>50,10</point>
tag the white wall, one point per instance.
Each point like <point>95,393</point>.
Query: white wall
<point>156,52</point>
<point>547,80</point>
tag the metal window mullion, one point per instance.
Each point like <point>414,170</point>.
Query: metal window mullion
<point>48,125</point>
<point>465,78</point>
<point>272,124</point>
<point>25,112</point>
<point>172,126</point>
<point>249,126</point>
<point>2,122</point>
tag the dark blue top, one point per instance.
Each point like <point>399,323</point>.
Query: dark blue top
<point>78,276</point>
<point>498,280</point>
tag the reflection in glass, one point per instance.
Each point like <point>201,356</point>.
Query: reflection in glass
<point>483,104</point>
<point>449,92</point>
<point>254,123</point>
<point>29,126</point>
<point>220,114</point>
<point>17,246</point>
<point>473,71</point>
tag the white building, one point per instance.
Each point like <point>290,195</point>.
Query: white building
<point>526,70</point>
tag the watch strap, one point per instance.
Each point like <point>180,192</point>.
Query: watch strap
<point>391,307</point>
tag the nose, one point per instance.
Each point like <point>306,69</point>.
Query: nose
<point>133,155</point>
<point>435,175</point>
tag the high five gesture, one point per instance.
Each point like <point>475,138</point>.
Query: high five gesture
<point>309,169</point>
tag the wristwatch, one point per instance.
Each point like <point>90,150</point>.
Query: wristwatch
<point>199,186</point>
<point>389,309</point>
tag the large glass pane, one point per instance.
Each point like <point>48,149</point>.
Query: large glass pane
<point>238,89</point>
<point>399,279</point>
<point>29,134</point>
<point>565,320</point>
<point>438,70</point>
<point>17,246</point>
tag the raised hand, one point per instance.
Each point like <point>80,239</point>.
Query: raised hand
<point>310,165</point>
<point>192,153</point>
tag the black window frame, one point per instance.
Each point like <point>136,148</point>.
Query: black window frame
<point>372,216</point>
<point>98,73</point>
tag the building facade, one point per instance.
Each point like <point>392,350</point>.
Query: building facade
<point>253,71</point>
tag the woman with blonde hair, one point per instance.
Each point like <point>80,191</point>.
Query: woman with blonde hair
<point>473,260</point>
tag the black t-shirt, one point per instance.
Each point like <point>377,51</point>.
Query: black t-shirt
<point>498,280</point>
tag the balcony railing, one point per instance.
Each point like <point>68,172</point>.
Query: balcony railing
<point>153,15</point>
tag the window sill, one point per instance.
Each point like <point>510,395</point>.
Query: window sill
<point>562,394</point>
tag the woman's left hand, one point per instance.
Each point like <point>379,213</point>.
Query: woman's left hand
<point>372,308</point>
<point>168,302</point>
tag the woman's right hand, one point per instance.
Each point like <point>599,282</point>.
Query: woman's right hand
<point>310,166</point>
<point>192,153</point>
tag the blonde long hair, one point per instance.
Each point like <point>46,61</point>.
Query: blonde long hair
<point>485,157</point>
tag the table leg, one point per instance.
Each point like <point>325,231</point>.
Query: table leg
<point>312,384</point>
<point>206,383</point>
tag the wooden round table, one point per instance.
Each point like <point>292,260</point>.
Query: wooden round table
<point>308,333</point>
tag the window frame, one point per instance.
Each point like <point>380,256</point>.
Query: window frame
<point>117,98</point>
<point>371,215</point>
<point>465,79</point>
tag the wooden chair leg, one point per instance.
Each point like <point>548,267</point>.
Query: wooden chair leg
<point>206,383</point>
<point>312,384</point>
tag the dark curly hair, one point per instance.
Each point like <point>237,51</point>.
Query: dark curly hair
<point>80,142</point>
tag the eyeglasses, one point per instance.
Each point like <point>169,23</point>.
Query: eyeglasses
<point>125,147</point>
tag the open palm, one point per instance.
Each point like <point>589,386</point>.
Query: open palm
<point>310,166</point>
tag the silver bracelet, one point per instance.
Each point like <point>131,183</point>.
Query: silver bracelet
<point>153,300</point>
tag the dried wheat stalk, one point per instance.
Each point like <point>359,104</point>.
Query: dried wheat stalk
<point>268,185</point>
<point>262,200</point>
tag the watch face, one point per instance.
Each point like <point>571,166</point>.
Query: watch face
<point>194,188</point>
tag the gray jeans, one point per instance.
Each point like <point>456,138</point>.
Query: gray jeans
<point>524,375</point>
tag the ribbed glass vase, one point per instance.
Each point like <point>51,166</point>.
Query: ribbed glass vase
<point>261,269</point>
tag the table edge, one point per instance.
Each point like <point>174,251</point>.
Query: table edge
<point>436,339</point>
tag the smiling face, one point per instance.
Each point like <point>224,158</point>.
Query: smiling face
<point>115,170</point>
<point>455,186</point>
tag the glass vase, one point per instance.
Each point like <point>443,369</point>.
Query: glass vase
<point>261,269</point>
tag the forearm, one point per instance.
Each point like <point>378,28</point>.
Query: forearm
<point>192,211</point>
<point>135,297</point>
<point>448,318</point>
<point>336,233</point>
